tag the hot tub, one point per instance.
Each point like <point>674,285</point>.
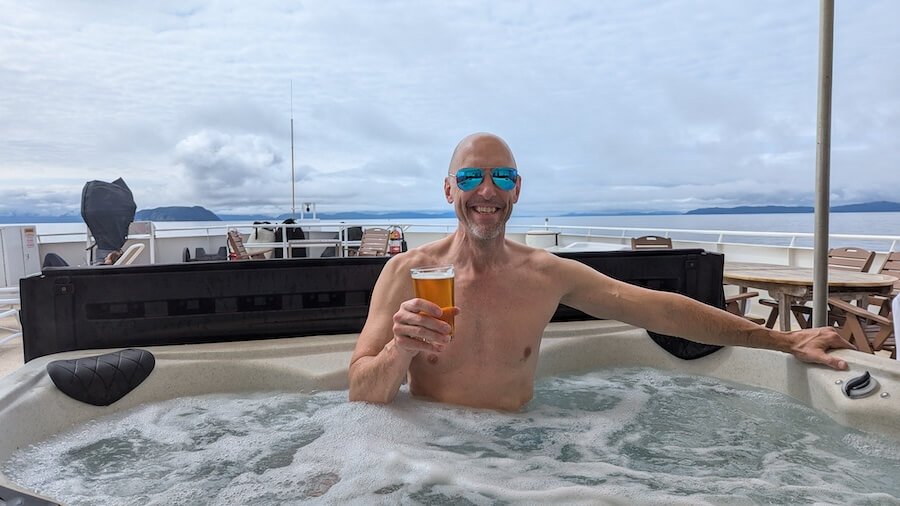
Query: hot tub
<point>251,334</point>
<point>32,409</point>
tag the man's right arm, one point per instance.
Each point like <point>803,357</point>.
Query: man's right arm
<point>393,335</point>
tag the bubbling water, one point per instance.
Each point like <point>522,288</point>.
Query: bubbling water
<point>613,436</point>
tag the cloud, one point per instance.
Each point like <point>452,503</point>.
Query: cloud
<point>46,200</point>
<point>229,170</point>
<point>650,105</point>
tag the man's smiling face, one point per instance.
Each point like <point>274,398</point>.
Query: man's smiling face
<point>485,209</point>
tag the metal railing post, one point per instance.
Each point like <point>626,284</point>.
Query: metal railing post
<point>152,243</point>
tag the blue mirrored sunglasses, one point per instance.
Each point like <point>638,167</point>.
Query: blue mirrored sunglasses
<point>470,177</point>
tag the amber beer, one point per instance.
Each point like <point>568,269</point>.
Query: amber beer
<point>435,284</point>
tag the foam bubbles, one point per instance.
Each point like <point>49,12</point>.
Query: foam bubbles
<point>622,435</point>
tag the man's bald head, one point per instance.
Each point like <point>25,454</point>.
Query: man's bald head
<point>488,149</point>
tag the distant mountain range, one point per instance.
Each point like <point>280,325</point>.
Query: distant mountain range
<point>867,207</point>
<point>342,216</point>
<point>176,213</point>
<point>624,213</point>
<point>197,213</point>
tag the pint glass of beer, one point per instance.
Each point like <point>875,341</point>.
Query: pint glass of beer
<point>435,284</point>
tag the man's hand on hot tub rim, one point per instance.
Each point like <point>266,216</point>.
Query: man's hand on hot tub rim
<point>812,345</point>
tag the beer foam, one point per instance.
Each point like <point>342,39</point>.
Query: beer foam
<point>612,436</point>
<point>432,275</point>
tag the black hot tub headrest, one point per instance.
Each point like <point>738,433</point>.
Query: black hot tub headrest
<point>102,379</point>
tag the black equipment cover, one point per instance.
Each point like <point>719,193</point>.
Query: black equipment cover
<point>108,209</point>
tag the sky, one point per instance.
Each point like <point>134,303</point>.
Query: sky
<point>608,106</point>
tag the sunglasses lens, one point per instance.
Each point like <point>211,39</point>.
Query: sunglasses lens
<point>505,178</point>
<point>469,179</point>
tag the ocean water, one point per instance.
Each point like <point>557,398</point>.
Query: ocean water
<point>638,436</point>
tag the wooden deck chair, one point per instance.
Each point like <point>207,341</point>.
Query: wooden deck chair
<point>881,332</point>
<point>891,267</point>
<point>374,242</point>
<point>651,242</point>
<point>870,332</point>
<point>236,244</point>
<point>738,303</point>
<point>130,254</point>
<point>848,259</point>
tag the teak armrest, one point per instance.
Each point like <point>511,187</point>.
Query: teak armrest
<point>741,296</point>
<point>858,311</point>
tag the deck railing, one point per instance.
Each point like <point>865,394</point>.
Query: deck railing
<point>797,245</point>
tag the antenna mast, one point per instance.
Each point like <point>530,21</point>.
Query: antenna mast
<point>293,206</point>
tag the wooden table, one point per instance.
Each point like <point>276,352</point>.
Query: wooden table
<point>794,285</point>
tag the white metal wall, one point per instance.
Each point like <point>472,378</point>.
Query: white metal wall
<point>18,253</point>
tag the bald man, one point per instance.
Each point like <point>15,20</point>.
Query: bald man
<point>506,294</point>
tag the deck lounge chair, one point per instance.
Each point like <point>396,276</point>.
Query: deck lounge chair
<point>236,244</point>
<point>374,242</point>
<point>848,259</point>
<point>651,242</point>
<point>130,254</point>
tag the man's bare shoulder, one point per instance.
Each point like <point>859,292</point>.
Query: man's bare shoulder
<point>538,258</point>
<point>566,273</point>
<point>434,253</point>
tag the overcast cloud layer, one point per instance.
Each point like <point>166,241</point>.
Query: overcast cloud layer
<point>608,105</point>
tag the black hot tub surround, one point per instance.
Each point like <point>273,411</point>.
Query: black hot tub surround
<point>68,309</point>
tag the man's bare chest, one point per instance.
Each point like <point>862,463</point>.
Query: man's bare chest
<point>498,327</point>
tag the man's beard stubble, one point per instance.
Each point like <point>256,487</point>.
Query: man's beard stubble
<point>486,233</point>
